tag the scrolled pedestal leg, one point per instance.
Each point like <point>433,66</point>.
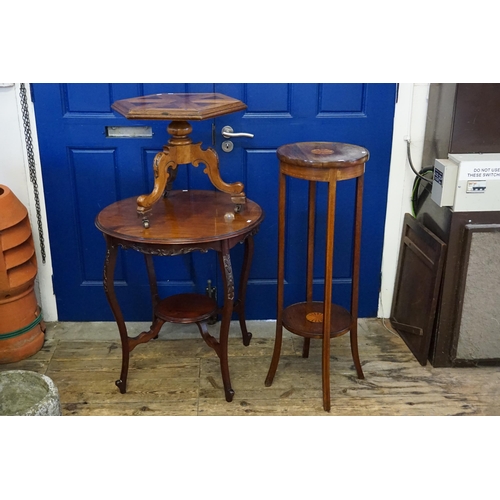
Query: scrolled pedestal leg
<point>164,167</point>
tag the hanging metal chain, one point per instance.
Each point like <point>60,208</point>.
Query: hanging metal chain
<point>31,165</point>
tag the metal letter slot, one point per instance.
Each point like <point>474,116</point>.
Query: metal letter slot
<point>129,132</point>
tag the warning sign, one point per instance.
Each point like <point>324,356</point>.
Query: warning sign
<point>479,171</point>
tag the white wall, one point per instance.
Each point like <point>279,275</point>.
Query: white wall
<point>14,173</point>
<point>409,121</point>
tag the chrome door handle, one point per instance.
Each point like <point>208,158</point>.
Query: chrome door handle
<point>227,132</point>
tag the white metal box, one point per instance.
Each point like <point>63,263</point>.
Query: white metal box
<point>467,182</point>
<point>444,182</point>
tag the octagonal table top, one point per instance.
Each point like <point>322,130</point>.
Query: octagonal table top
<point>193,106</point>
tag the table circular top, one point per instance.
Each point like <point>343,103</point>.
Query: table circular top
<point>323,154</point>
<point>184,217</point>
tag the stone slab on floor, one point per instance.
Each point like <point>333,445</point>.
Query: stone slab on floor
<point>27,393</point>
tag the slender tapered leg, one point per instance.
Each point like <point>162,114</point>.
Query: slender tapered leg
<point>240,306</point>
<point>310,255</point>
<point>355,277</point>
<point>227,311</point>
<point>281,281</point>
<point>109,289</point>
<point>327,305</point>
<point>305,347</point>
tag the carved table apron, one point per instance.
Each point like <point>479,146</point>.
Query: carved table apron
<point>184,222</point>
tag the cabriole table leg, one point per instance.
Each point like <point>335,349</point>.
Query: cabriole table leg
<point>240,303</point>
<point>227,311</point>
<point>109,289</point>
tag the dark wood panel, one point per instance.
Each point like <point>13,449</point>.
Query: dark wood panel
<point>477,118</point>
<point>417,286</point>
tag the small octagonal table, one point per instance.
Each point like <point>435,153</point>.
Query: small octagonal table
<point>179,109</point>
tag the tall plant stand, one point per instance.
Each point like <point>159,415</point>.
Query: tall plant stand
<point>324,162</point>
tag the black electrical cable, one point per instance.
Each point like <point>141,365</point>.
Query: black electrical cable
<point>411,164</point>
<point>416,185</point>
<point>418,177</point>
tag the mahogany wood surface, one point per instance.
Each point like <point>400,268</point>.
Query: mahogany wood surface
<point>295,320</point>
<point>178,106</point>
<point>184,222</point>
<point>186,308</point>
<point>329,162</point>
<point>183,218</point>
<point>323,154</point>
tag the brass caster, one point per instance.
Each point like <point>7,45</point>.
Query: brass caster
<point>145,223</point>
<point>237,209</point>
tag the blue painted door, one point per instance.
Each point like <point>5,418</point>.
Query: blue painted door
<point>84,170</point>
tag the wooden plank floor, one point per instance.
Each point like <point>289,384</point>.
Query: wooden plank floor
<point>182,377</point>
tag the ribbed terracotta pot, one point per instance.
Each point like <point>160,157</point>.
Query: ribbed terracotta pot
<point>21,327</point>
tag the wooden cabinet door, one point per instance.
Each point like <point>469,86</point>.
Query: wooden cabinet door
<point>417,286</point>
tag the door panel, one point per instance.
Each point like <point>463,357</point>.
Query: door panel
<point>83,171</point>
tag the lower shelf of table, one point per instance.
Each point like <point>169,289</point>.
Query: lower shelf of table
<point>305,319</point>
<point>186,308</point>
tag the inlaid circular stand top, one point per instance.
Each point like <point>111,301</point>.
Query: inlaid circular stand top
<point>306,319</point>
<point>323,154</point>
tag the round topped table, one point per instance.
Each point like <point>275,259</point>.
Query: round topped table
<point>326,162</point>
<point>184,222</point>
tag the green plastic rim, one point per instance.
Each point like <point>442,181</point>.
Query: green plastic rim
<point>16,333</point>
